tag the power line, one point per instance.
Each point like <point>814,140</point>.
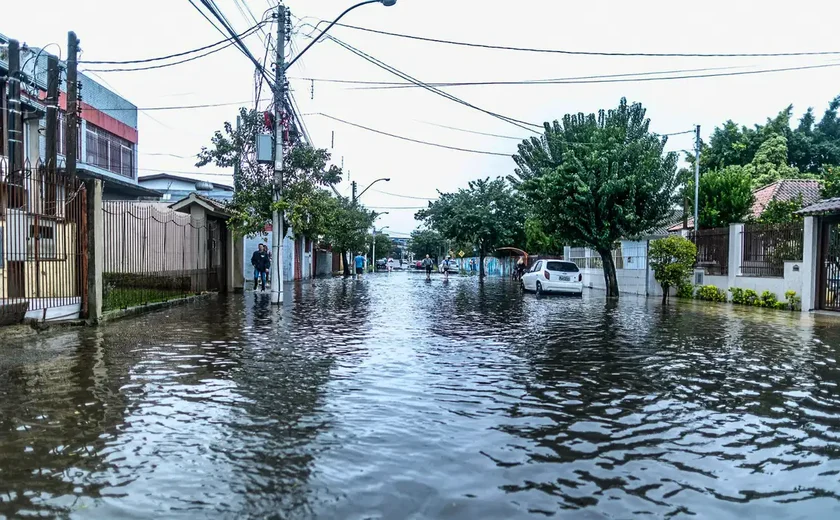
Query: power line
<point>164,65</point>
<point>402,196</point>
<point>516,122</point>
<point>418,141</point>
<point>591,53</point>
<point>175,107</point>
<point>476,132</point>
<point>170,56</point>
<point>398,207</point>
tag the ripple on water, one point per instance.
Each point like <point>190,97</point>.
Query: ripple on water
<point>393,398</point>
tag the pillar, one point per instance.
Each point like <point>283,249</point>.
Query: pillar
<point>736,247</point>
<point>810,264</point>
<point>236,268</point>
<point>96,250</point>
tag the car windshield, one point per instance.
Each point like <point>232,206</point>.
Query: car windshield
<point>563,267</point>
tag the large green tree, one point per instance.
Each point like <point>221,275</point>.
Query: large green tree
<point>306,171</point>
<point>384,246</point>
<point>726,196</point>
<point>426,242</point>
<point>488,213</point>
<point>347,230</point>
<point>612,179</point>
<point>672,260</point>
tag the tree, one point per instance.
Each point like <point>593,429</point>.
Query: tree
<point>672,260</point>
<point>613,180</point>
<point>781,211</point>
<point>770,163</point>
<point>384,246</point>
<point>537,241</point>
<point>426,242</point>
<point>306,171</point>
<point>726,196</point>
<point>348,225</point>
<point>486,213</point>
<point>831,183</point>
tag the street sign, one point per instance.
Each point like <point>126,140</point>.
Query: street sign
<point>461,254</point>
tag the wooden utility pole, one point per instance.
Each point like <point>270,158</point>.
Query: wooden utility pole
<point>52,112</point>
<point>278,217</point>
<point>14,109</point>
<point>71,129</point>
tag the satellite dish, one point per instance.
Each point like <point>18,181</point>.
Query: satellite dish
<point>203,186</point>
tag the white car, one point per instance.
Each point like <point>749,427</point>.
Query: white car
<point>553,276</point>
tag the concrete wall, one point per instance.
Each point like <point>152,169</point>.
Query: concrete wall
<point>630,281</point>
<point>250,245</point>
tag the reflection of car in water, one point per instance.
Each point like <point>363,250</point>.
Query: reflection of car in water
<point>553,276</point>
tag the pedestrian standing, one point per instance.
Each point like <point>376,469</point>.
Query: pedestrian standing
<point>360,265</point>
<point>428,264</point>
<point>261,262</point>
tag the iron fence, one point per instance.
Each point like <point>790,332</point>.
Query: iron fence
<point>712,250</point>
<point>154,254</point>
<point>43,244</point>
<point>629,255</point>
<point>766,247</point>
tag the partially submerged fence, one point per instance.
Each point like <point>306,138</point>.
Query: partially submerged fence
<point>626,255</point>
<point>712,250</point>
<point>766,247</point>
<point>155,254</point>
<point>43,243</point>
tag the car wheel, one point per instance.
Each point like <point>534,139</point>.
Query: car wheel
<point>539,289</point>
<point>522,286</point>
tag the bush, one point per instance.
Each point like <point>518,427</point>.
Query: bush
<point>768,300</point>
<point>711,293</point>
<point>794,302</point>
<point>672,259</point>
<point>685,291</point>
<point>751,297</point>
<point>738,295</point>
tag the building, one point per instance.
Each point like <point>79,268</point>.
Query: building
<point>784,190</point>
<point>108,133</point>
<point>174,187</point>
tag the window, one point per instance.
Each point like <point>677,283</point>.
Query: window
<point>2,118</point>
<point>109,152</point>
<point>60,133</point>
<point>45,236</point>
<point>537,267</point>
<point>562,267</point>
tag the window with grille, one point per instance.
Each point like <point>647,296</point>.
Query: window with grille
<point>109,152</point>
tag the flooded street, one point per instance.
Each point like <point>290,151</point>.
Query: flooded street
<point>393,398</point>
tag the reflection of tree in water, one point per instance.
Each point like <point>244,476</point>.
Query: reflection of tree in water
<point>492,309</point>
<point>691,388</point>
<point>57,417</point>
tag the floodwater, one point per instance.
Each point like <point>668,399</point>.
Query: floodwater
<point>394,398</point>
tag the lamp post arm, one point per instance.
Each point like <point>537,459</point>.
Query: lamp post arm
<point>330,26</point>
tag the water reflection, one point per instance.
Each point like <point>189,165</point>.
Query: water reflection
<point>391,397</point>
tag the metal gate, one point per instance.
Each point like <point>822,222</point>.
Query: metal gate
<point>217,248</point>
<point>829,281</point>
<point>43,244</point>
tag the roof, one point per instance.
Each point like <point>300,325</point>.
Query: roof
<point>784,190</point>
<point>822,206</point>
<point>214,207</point>
<point>674,218</point>
<point>169,176</point>
<point>115,186</point>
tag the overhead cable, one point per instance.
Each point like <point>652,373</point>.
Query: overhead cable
<point>418,141</point>
<point>170,56</point>
<point>593,53</point>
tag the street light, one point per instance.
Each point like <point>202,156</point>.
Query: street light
<point>374,244</point>
<point>386,3</point>
<point>280,89</point>
<point>356,197</point>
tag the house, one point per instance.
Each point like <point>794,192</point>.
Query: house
<point>784,190</point>
<point>43,219</point>
<point>175,187</point>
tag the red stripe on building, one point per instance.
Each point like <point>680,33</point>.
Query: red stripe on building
<point>98,118</point>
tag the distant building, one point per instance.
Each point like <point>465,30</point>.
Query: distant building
<point>174,187</point>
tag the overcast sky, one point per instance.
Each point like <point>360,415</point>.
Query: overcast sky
<point>122,29</point>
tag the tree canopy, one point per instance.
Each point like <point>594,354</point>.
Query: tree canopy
<point>607,177</point>
<point>726,196</point>
<point>488,213</point>
<point>426,242</point>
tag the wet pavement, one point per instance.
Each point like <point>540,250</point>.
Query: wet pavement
<point>395,398</point>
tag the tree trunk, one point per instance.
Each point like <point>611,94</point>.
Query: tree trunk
<point>665,291</point>
<point>610,279</point>
<point>346,255</point>
<point>481,265</point>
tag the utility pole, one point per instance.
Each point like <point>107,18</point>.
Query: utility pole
<point>71,130</point>
<point>52,112</point>
<point>696,180</point>
<point>373,247</point>
<point>237,182</point>
<point>278,217</point>
<point>14,110</point>
<point>353,184</point>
